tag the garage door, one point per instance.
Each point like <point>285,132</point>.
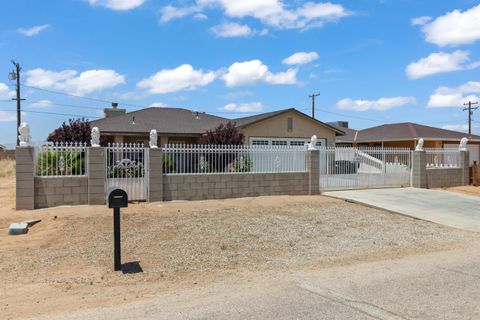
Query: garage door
<point>294,142</point>
<point>474,150</point>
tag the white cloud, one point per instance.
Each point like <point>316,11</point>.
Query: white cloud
<point>41,104</point>
<point>5,92</point>
<point>33,31</point>
<point>158,105</point>
<point>72,82</point>
<point>232,29</point>
<point>440,62</point>
<point>254,71</point>
<point>243,107</point>
<point>6,116</point>
<point>454,28</point>
<point>183,77</point>
<point>445,97</point>
<point>456,127</point>
<point>119,5</point>
<point>420,21</point>
<point>301,58</point>
<point>381,104</point>
<point>200,16</point>
<point>270,12</point>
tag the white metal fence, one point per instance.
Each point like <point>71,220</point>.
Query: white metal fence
<point>228,159</point>
<point>126,168</point>
<point>352,168</point>
<point>60,159</point>
<point>442,158</point>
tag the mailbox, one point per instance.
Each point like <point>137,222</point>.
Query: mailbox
<point>117,198</point>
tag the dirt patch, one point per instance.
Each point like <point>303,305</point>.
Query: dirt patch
<point>471,190</point>
<point>65,262</point>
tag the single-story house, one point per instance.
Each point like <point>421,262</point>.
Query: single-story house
<point>178,126</point>
<point>406,135</point>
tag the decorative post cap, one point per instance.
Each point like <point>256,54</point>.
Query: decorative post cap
<point>419,146</point>
<point>153,139</point>
<point>95,137</point>
<point>463,145</point>
<point>313,143</point>
<point>24,135</point>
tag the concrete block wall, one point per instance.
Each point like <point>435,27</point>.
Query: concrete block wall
<point>313,168</point>
<point>155,175</point>
<point>96,175</point>
<point>58,191</point>
<point>25,196</point>
<point>222,186</point>
<point>444,178</point>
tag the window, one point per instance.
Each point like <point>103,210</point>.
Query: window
<point>260,142</point>
<point>279,143</point>
<point>297,143</point>
<point>289,124</point>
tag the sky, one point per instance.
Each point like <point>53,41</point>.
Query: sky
<point>372,61</point>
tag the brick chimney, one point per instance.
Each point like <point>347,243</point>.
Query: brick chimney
<point>114,111</point>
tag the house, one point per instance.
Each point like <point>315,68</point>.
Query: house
<point>406,135</point>
<point>288,127</point>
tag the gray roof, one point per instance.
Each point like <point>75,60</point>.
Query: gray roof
<point>404,131</point>
<point>164,120</point>
<point>180,121</point>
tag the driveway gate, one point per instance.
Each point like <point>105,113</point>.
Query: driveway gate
<point>126,168</point>
<point>353,168</point>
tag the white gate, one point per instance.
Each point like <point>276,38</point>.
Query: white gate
<point>352,168</point>
<point>126,168</point>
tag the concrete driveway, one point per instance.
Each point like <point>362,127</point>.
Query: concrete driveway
<point>443,207</point>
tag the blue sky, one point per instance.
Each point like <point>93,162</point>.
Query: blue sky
<point>373,61</point>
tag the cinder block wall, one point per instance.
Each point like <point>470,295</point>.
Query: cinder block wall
<point>222,186</point>
<point>60,191</point>
<point>444,178</point>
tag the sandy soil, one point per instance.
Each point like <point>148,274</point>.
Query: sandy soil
<point>65,262</point>
<point>471,190</point>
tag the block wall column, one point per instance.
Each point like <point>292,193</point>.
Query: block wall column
<point>313,167</point>
<point>155,175</point>
<point>465,163</point>
<point>419,169</point>
<point>96,175</point>
<point>25,183</point>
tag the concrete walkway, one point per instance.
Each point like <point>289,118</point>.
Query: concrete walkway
<point>443,207</point>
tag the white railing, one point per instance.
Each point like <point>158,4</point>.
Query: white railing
<point>60,160</point>
<point>229,159</point>
<point>352,168</point>
<point>442,158</point>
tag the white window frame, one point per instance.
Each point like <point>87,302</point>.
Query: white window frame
<point>321,142</point>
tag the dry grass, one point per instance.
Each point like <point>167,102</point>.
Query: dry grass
<point>7,168</point>
<point>470,190</point>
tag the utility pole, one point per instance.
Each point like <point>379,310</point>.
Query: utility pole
<point>470,114</point>
<point>313,103</point>
<point>15,75</point>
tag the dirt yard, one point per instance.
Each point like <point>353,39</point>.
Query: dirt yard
<point>471,190</point>
<point>65,262</point>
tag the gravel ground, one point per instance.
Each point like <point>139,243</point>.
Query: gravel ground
<point>65,262</point>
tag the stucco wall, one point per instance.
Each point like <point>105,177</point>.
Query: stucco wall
<point>216,186</point>
<point>60,191</point>
<point>276,127</point>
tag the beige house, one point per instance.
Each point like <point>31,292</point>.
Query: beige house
<point>288,127</point>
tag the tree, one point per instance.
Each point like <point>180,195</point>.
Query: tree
<point>223,134</point>
<point>76,130</point>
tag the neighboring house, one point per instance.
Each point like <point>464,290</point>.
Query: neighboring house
<point>406,135</point>
<point>2,147</point>
<point>176,125</point>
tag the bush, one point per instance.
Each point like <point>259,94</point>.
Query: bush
<point>62,163</point>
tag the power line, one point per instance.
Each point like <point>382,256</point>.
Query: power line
<point>313,102</point>
<point>67,105</point>
<point>15,75</point>
<point>470,114</point>
<point>54,113</point>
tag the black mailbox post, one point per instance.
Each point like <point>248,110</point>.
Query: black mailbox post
<point>117,198</point>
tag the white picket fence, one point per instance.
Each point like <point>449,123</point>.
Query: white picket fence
<point>230,159</point>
